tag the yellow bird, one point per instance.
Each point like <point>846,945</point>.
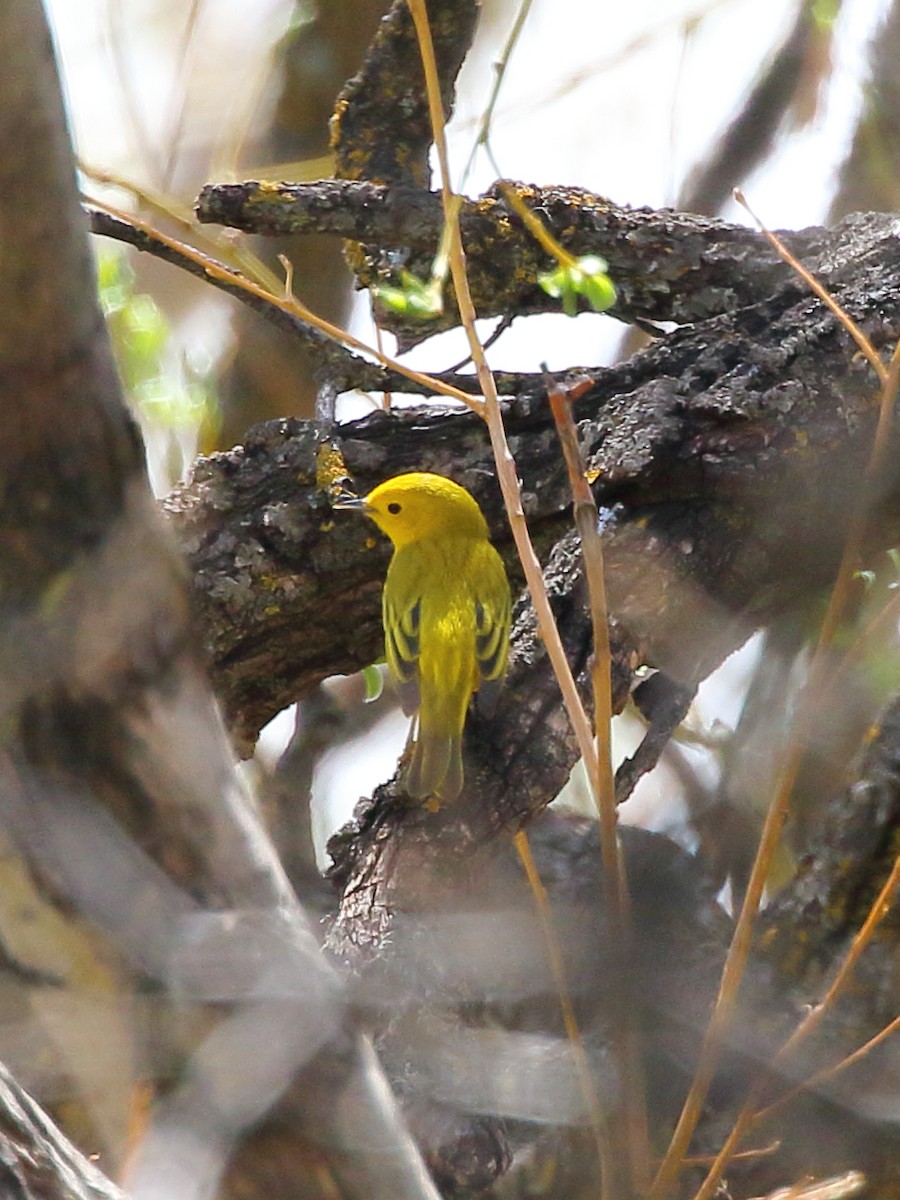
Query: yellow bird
<point>446,610</point>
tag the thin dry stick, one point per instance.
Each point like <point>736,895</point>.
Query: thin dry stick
<point>703,1160</point>
<point>570,1022</point>
<point>814,286</point>
<point>826,1073</point>
<point>484,125</point>
<point>586,517</point>
<point>879,910</point>
<point>794,751</point>
<point>889,378</point>
<point>791,758</point>
<point>290,304</point>
<point>748,1116</point>
<point>615,884</point>
<point>710,1049</point>
<point>232,251</point>
<point>506,467</point>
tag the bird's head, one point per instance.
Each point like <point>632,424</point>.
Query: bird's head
<point>411,507</point>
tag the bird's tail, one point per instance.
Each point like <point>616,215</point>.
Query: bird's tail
<point>436,766</point>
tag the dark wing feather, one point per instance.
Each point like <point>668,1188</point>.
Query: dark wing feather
<point>401,648</point>
<point>492,622</point>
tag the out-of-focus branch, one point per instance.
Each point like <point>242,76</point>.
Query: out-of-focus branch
<point>117,783</point>
<point>868,178</point>
<point>751,134</point>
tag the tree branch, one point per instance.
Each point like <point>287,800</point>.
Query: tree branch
<point>667,266</point>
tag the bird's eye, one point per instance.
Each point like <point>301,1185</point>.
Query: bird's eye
<point>394,508</point>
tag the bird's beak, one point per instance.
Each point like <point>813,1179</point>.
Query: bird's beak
<point>349,501</point>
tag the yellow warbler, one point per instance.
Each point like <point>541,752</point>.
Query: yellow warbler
<point>445,609</point>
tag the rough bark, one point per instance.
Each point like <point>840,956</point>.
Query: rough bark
<point>667,265</point>
<point>36,1161</point>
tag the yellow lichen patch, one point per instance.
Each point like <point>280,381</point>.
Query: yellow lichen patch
<point>331,470</point>
<point>268,190</point>
<point>872,733</point>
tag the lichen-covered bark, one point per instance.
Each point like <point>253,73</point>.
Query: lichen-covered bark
<point>667,265</point>
<point>381,129</point>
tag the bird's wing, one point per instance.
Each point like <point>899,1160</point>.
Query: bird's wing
<point>401,647</point>
<point>492,621</point>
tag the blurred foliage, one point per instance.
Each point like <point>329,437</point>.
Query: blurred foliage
<point>171,394</point>
<point>414,297</point>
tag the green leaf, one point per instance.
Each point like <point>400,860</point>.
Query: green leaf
<point>416,298</point>
<point>586,277</point>
<point>374,681</point>
<point>599,292</point>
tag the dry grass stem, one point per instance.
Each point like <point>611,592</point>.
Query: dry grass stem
<point>626,1046</point>
<point>296,308</point>
<point>827,1073</point>
<point>506,467</point>
<point>814,286</point>
<point>597,1117</point>
<point>785,779</point>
